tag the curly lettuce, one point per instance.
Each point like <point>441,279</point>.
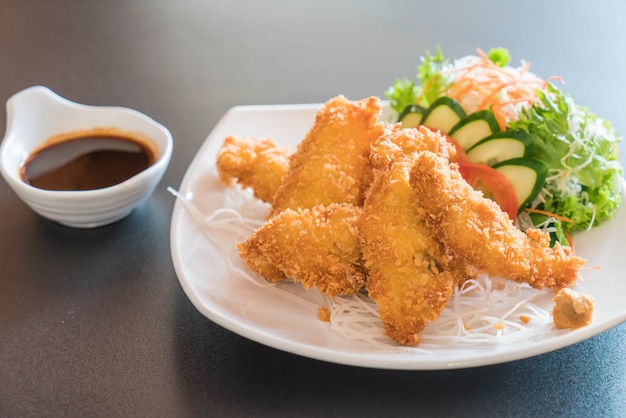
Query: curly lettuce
<point>499,56</point>
<point>403,93</point>
<point>585,175</point>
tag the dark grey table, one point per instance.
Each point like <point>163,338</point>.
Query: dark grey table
<point>95,323</point>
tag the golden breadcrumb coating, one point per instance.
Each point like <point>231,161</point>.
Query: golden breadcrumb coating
<point>476,231</point>
<point>258,163</point>
<point>317,247</point>
<point>572,309</point>
<point>331,163</point>
<point>323,314</point>
<point>408,274</point>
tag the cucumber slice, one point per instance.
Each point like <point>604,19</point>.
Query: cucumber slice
<point>526,175</point>
<point>411,116</point>
<point>443,114</point>
<point>501,146</point>
<point>473,128</point>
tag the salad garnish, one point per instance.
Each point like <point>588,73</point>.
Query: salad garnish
<point>567,176</point>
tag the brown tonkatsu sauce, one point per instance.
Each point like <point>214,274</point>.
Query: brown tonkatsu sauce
<point>86,162</point>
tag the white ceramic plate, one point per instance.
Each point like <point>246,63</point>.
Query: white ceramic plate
<point>206,264</point>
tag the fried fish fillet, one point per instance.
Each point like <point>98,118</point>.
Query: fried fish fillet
<point>409,274</point>
<point>331,163</point>
<point>478,233</point>
<point>317,247</point>
<point>257,163</point>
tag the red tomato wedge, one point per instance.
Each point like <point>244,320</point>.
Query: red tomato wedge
<point>460,156</point>
<point>493,184</point>
<point>460,152</point>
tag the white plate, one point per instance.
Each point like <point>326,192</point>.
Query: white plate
<point>201,258</point>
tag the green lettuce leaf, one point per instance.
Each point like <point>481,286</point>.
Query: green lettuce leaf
<point>432,83</point>
<point>403,93</point>
<point>499,56</point>
<point>428,85</point>
<point>580,149</point>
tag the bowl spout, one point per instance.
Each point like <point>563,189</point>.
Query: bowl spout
<point>29,104</point>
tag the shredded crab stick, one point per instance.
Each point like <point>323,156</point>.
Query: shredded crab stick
<point>478,83</point>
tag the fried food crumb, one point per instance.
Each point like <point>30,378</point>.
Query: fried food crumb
<point>323,313</point>
<point>525,319</point>
<point>572,309</point>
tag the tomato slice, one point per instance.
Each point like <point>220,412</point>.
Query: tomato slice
<point>460,156</point>
<point>493,184</point>
<point>460,152</point>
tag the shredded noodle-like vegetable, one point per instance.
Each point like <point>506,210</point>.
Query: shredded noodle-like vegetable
<point>482,312</point>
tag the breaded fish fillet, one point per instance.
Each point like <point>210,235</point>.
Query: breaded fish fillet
<point>408,271</point>
<point>331,163</point>
<point>317,247</point>
<point>258,163</point>
<point>475,229</point>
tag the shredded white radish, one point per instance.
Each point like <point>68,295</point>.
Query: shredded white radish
<point>485,311</point>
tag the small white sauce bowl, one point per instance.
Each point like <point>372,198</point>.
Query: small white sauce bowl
<point>36,114</point>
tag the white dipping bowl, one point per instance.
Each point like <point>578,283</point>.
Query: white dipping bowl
<point>36,114</point>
